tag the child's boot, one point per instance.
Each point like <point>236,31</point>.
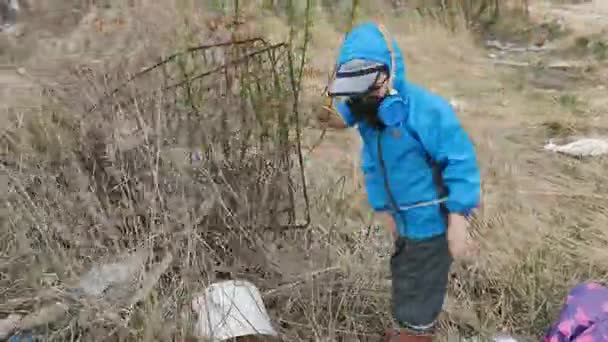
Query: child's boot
<point>402,335</point>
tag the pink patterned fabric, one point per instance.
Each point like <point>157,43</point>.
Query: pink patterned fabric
<point>584,316</point>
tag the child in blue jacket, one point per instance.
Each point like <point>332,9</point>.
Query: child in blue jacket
<point>419,168</point>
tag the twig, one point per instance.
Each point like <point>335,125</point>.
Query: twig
<point>512,48</point>
<point>318,142</point>
<point>510,63</point>
<point>151,279</point>
<point>300,281</point>
<point>172,57</point>
<point>244,59</point>
<point>224,66</point>
<point>296,82</point>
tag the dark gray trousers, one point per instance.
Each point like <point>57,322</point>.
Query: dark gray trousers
<point>419,271</point>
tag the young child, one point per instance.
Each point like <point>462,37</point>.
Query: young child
<point>419,168</point>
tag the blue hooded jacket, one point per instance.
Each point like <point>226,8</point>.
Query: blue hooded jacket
<point>422,132</point>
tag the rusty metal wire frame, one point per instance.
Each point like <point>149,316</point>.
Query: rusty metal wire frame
<point>212,84</point>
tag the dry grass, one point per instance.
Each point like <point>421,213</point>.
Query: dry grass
<point>86,187</point>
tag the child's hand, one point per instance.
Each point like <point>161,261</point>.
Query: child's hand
<point>328,118</point>
<point>459,242</point>
<point>387,221</point>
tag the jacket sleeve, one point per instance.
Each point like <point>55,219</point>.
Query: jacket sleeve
<point>449,145</point>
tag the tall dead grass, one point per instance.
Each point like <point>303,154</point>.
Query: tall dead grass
<point>87,186</point>
<point>89,180</point>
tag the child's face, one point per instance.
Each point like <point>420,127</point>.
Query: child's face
<point>380,89</point>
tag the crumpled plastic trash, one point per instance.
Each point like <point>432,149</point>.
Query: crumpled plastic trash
<point>101,277</point>
<point>581,148</point>
<point>503,338</point>
<point>495,338</point>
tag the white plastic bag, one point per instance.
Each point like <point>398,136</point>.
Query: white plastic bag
<point>581,148</point>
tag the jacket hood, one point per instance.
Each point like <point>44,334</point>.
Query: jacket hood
<point>366,41</point>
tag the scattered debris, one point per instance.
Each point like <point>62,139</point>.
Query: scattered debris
<point>581,148</point>
<point>232,309</point>
<point>510,47</point>
<point>557,65</point>
<point>568,65</point>
<point>458,105</point>
<point>99,278</point>
<point>121,284</point>
<point>511,63</point>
